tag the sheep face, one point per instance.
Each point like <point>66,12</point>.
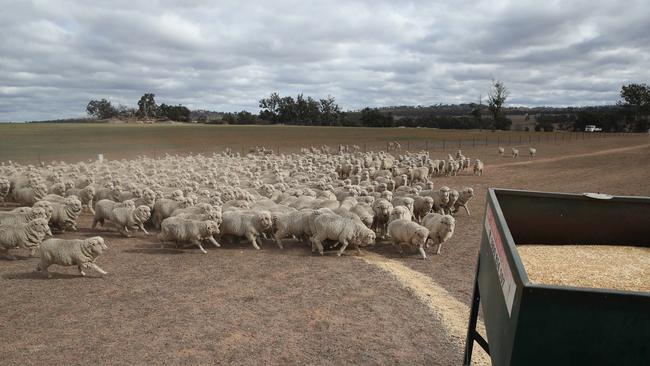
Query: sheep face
<point>212,227</point>
<point>40,226</point>
<point>264,220</point>
<point>420,236</point>
<point>142,213</point>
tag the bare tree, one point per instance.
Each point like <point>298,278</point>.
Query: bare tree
<point>497,96</point>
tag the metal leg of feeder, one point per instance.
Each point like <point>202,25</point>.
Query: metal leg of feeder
<point>472,334</point>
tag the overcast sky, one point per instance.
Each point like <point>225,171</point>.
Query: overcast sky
<point>55,56</point>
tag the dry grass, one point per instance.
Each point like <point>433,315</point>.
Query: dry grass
<point>596,266</point>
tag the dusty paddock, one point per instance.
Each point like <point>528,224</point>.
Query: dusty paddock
<point>236,305</point>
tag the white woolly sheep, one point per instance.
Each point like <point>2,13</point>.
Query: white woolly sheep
<point>294,224</point>
<point>422,205</point>
<point>342,230</point>
<point>181,230</point>
<point>465,195</point>
<point>23,217</point>
<point>86,195</point>
<point>247,224</point>
<point>29,195</point>
<point>27,236</point>
<point>104,210</point>
<point>125,217</point>
<point>64,215</point>
<point>478,167</point>
<point>441,228</point>
<point>410,234</point>
<point>407,202</point>
<point>400,213</point>
<point>532,151</point>
<point>515,153</point>
<point>71,252</point>
<point>5,185</point>
<point>381,209</point>
<point>440,197</point>
<point>164,207</point>
<point>501,151</point>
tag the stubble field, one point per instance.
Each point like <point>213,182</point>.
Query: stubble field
<point>236,305</point>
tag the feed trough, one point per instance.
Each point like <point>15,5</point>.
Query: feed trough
<point>532,323</point>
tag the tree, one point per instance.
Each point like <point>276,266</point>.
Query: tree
<point>101,109</point>
<point>246,118</point>
<point>269,107</point>
<point>497,96</point>
<point>636,102</point>
<point>147,106</point>
<point>329,111</point>
<point>175,113</point>
<point>372,117</point>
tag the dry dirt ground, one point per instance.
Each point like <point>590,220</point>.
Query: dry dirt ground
<point>236,305</point>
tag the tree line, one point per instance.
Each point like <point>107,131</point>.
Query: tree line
<point>147,109</point>
<point>631,113</point>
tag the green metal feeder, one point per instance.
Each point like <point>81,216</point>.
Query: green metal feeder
<point>538,324</point>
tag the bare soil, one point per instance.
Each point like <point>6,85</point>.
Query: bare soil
<point>236,305</point>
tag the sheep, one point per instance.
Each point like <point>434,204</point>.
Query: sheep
<point>179,229</point>
<point>345,231</point>
<point>515,153</point>
<point>420,174</point>
<point>381,209</point>
<point>64,215</point>
<point>247,224</point>
<point>294,224</point>
<point>465,195</point>
<point>15,218</point>
<point>86,196</point>
<point>478,167</point>
<point>449,206</point>
<point>164,207</point>
<point>407,233</point>
<point>501,151</point>
<point>440,197</point>
<point>71,252</point>
<point>441,228</point>
<point>104,210</point>
<point>125,217</point>
<point>57,188</point>
<point>45,205</point>
<point>27,236</point>
<point>148,198</point>
<point>422,205</point>
<point>532,151</point>
<point>5,185</point>
<point>365,213</point>
<point>407,202</point>
<point>399,213</point>
<point>29,195</point>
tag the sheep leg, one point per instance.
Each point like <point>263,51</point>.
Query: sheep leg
<point>318,242</point>
<point>214,242</point>
<point>43,267</point>
<point>90,208</point>
<point>96,268</point>
<point>439,247</point>
<point>124,231</point>
<point>95,221</point>
<point>424,255</point>
<point>344,244</point>
<point>198,244</point>
<point>252,239</point>
<point>466,209</point>
<point>278,236</point>
<point>81,270</point>
<point>141,226</point>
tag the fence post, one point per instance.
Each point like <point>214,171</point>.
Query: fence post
<point>509,143</point>
<point>486,141</point>
<point>473,142</point>
<point>443,144</point>
<point>459,142</point>
<point>364,147</point>
<point>408,145</point>
<point>278,149</point>
<point>426,145</point>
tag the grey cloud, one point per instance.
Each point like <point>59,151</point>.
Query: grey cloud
<point>226,55</point>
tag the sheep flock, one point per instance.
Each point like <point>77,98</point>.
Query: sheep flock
<point>329,200</point>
